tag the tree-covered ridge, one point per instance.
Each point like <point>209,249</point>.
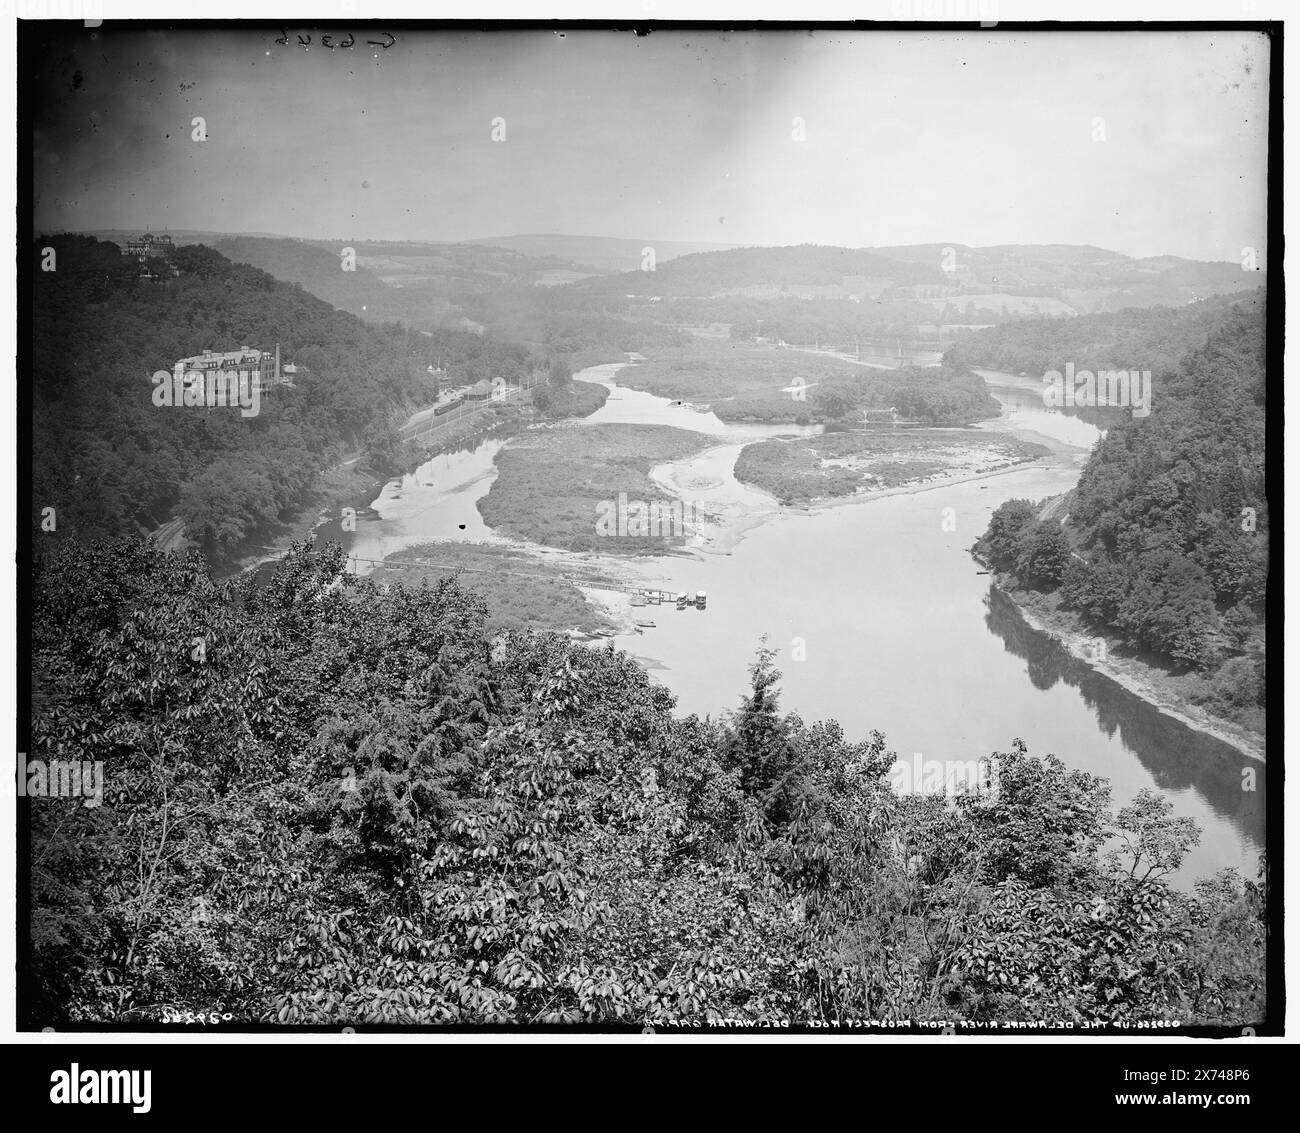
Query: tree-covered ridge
<point>1088,279</point>
<point>327,802</point>
<point>1137,338</point>
<point>110,461</point>
<point>316,269</point>
<point>1083,277</point>
<point>427,286</point>
<point>706,273</point>
<point>1165,544</point>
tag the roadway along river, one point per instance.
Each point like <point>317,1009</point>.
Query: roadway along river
<point>880,620</point>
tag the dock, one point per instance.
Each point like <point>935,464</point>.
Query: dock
<point>644,597</point>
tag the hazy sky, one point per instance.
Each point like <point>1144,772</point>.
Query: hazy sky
<point>910,138</point>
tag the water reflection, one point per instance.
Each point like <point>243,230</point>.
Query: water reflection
<point>1177,758</point>
<point>1022,398</point>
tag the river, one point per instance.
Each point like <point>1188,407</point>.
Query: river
<point>878,616</point>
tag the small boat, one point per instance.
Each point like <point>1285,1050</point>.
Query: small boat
<point>981,572</point>
<point>637,600</point>
<point>646,624</point>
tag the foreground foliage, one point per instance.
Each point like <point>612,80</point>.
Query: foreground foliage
<point>331,803</point>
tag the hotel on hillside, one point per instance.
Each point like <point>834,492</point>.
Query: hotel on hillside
<point>261,367</point>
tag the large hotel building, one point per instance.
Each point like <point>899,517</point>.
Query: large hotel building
<point>261,367</point>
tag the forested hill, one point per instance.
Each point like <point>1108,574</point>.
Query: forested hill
<point>472,288</point>
<point>424,285</point>
<point>316,269</point>
<point>1169,524</point>
<point>708,273</point>
<point>109,461</point>
<point>1143,338</point>
<point>596,254</point>
<point>987,282</point>
<point>1085,277</point>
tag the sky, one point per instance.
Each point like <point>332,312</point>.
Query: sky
<point>1147,143</point>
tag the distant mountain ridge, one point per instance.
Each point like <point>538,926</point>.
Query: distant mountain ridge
<point>544,288</point>
<point>603,253</point>
<point>1063,279</point>
<point>178,235</point>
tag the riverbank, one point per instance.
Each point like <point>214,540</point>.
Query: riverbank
<point>850,464</point>
<point>1154,685</point>
<point>521,589</point>
<point>727,511</point>
<point>738,509</point>
<point>346,485</point>
<point>352,484</point>
<point>881,619</point>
